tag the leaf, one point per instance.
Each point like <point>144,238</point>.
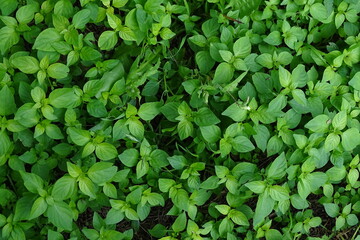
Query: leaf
<point>284,77</point>
<point>355,81</point>
<point>332,209</point>
<point>7,101</point>
<point>350,139</point>
<point>32,182</point>
<point>38,208</point>
<point>107,40</point>
<point>64,98</point>
<point>257,187</point>
<point>81,18</point>
<point>319,12</point>
<point>264,207</point>
<point>235,112</point>
<point>58,70</point>
<point>60,215</point>
<point>106,151</point>
<point>319,124</point>
<point>205,117</point>
<point>204,61</point>
<point>78,136</point>
<point>26,64</point>
<point>87,187</point>
<point>46,38</point>
<point>8,38</point>
<point>277,168</point>
<point>279,193</point>
<point>101,172</point>
<point>242,144</point>
<point>223,73</point>
<point>211,133</point>
<point>129,157</point>
<point>148,111</point>
<point>127,34</point>
<point>64,188</point>
<point>179,223</point>
<point>242,47</point>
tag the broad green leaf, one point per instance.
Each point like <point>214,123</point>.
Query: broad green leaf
<point>61,215</point>
<point>148,111</point>
<point>107,40</point>
<point>81,18</point>
<point>106,151</point>
<point>350,139</point>
<point>64,98</point>
<point>58,70</point>
<point>319,124</point>
<point>7,102</point>
<point>242,47</point>
<point>242,144</point>
<point>101,172</point>
<point>46,38</point>
<point>64,188</point>
<point>26,64</point>
<point>223,73</point>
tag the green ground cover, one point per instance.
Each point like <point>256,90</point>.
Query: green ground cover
<point>179,119</point>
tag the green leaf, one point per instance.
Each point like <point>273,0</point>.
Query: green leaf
<point>129,157</point>
<point>350,139</point>
<point>58,70</point>
<point>235,112</point>
<point>331,142</point>
<point>64,188</point>
<point>205,117</point>
<point>38,208</point>
<point>264,207</point>
<point>319,124</point>
<point>204,61</point>
<point>355,81</point>
<point>223,73</point>
<point>242,47</point>
<point>257,187</point>
<point>319,12</point>
<point>211,133</point>
<point>332,209</point>
<point>142,168</point>
<point>242,144</point>
<point>64,98</point>
<point>26,64</point>
<point>78,136</point>
<point>81,18</point>
<point>107,40</point>
<point>106,151</point>
<point>89,54</point>
<point>274,38</point>
<point>279,193</point>
<point>179,223</point>
<point>185,129</point>
<point>46,38</point>
<point>148,111</point>
<point>8,38</point>
<point>60,214</point>
<point>127,34</point>
<point>277,168</point>
<point>238,218</point>
<point>339,122</point>
<point>7,102</point>
<point>32,182</point>
<point>284,77</point>
<point>102,172</point>
<point>87,187</point>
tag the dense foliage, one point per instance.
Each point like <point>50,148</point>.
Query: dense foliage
<point>179,119</point>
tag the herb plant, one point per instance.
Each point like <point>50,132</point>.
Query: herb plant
<point>179,119</point>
